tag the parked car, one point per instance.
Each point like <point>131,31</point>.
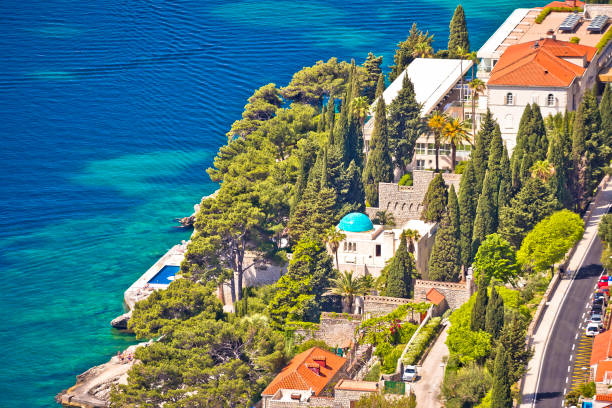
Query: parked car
<point>410,373</point>
<point>596,309</point>
<point>600,294</point>
<point>603,282</point>
<point>592,329</point>
<point>598,302</point>
<point>597,319</point>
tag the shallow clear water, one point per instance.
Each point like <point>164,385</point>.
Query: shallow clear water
<point>111,112</point>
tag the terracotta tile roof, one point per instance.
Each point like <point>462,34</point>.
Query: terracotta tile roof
<point>544,65</point>
<point>297,376</point>
<point>567,3</point>
<point>604,397</point>
<point>604,369</point>
<point>602,347</point>
<point>434,296</point>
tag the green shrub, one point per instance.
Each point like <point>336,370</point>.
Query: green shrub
<point>460,167</point>
<point>421,341</point>
<point>466,387</point>
<point>486,401</point>
<point>575,40</point>
<point>406,180</point>
<point>603,41</point>
<point>310,344</point>
<point>547,10</point>
<point>388,356</point>
<point>373,374</point>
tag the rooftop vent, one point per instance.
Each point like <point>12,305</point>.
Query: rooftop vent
<point>551,34</point>
<point>536,44</point>
<point>296,396</point>
<point>314,367</point>
<point>320,360</point>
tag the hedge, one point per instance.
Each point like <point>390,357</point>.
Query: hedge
<point>421,341</point>
<point>406,180</point>
<point>603,41</point>
<point>547,10</point>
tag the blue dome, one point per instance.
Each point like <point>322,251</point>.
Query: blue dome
<point>355,222</point>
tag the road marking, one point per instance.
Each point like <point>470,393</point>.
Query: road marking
<point>576,335</point>
<point>566,379</point>
<point>573,346</point>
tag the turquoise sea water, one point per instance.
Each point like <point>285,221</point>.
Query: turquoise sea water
<point>111,112</point>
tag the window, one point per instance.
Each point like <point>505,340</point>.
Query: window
<point>421,148</point>
<point>509,98</point>
<point>378,250</point>
<point>431,148</point>
<point>345,246</point>
<point>420,164</point>
<point>550,101</point>
<point>445,149</point>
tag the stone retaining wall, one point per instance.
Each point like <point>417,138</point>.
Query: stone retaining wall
<point>456,294</point>
<point>335,329</point>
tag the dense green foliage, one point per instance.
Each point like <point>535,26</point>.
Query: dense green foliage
<point>605,234</point>
<point>378,400</point>
<point>464,344</point>
<point>479,310</point>
<point>466,386</point>
<point>500,393</point>
<point>379,166</point>
<point>547,10</point>
<point>531,145</point>
<point>262,106</point>
<point>468,201</point>
<point>458,37</point>
<point>494,319</point>
<point>445,258</point>
<point>399,272</point>
<point>408,49</point>
<point>550,240</point>
<point>495,259</point>
<point>372,66</point>
<point>421,341</point>
<point>434,202</point>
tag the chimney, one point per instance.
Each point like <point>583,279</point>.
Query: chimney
<point>314,367</point>
<point>536,44</point>
<point>320,360</point>
<point>551,34</point>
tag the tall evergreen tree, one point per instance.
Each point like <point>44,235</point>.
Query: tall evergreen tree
<point>458,37</point>
<point>560,161</point>
<point>434,202</point>
<point>405,52</point>
<point>505,181</point>
<point>500,393</point>
<point>380,86</point>
<point>404,120</point>
<point>605,111</point>
<point>479,310</point>
<point>487,211</point>
<point>331,113</point>
<point>512,340</point>
<point>341,128</point>
<point>379,166</point>
<point>480,155</point>
<point>531,145</point>
<point>355,196</point>
<point>321,122</point>
<point>372,65</point>
<point>532,204</point>
<point>400,271</point>
<point>494,320</point>
<point>468,200</point>
<point>445,259</point>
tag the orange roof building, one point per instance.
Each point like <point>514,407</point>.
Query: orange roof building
<point>543,63</point>
<point>566,3</point>
<point>312,370</point>
<point>434,296</point>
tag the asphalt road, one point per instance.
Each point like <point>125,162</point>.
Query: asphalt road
<point>567,333</point>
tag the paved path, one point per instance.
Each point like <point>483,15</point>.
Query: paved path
<point>431,374</point>
<point>549,371</point>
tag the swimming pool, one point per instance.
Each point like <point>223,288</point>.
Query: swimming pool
<point>165,275</point>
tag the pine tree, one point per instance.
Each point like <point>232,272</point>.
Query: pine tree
<point>458,36</point>
<point>400,271</point>
<point>494,319</point>
<point>500,393</point>
<point>486,219</point>
<point>479,310</point>
<point>445,259</point>
<point>434,202</point>
<point>512,340</point>
<point>379,166</point>
<point>468,200</point>
<point>480,155</point>
<point>372,65</point>
<point>532,204</point>
<point>404,119</point>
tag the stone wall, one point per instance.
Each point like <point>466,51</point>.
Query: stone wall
<point>335,329</point>
<point>343,398</point>
<point>456,294</point>
<point>382,305</point>
<point>406,202</point>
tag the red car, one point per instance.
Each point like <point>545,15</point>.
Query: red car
<point>603,282</point>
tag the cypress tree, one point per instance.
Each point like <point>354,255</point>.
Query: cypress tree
<point>512,340</point>
<point>445,260</point>
<point>494,319</point>
<point>479,311</point>
<point>505,181</point>
<point>331,113</point>
<point>486,219</point>
<point>404,120</point>
<point>380,85</point>
<point>534,202</point>
<point>321,123</point>
<point>379,166</point>
<point>480,155</point>
<point>372,65</point>
<point>560,161</point>
<point>458,36</point>
<point>341,129</point>
<point>519,149</point>
<point>353,147</point>
<point>500,393</point>
<point>531,145</point>
<point>400,271</point>
<point>434,202</point>
<point>468,200</point>
<point>355,194</point>
<point>315,213</point>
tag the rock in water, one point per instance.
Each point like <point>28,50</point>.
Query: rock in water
<point>121,322</point>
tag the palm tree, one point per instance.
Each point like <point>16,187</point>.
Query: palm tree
<point>477,87</point>
<point>361,108</point>
<point>422,49</point>
<point>333,237</point>
<point>348,287</point>
<point>436,123</point>
<point>542,170</point>
<point>385,218</point>
<point>472,56</point>
<point>413,237</point>
<point>455,133</point>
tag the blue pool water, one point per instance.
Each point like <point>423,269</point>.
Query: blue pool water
<point>111,113</point>
<point>163,277</point>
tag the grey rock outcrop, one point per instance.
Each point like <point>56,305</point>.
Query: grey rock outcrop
<point>121,322</point>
